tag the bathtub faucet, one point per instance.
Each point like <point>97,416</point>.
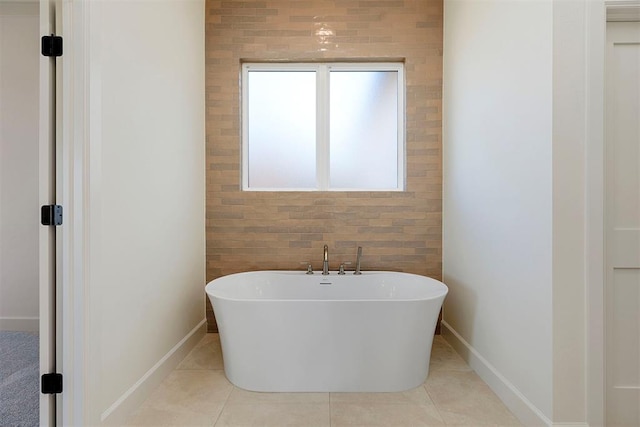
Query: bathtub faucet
<point>325,262</point>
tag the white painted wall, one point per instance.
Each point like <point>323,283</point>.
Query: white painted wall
<point>19,210</point>
<point>147,240</point>
<point>515,135</point>
<point>497,235</point>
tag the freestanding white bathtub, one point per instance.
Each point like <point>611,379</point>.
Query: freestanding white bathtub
<point>286,331</point>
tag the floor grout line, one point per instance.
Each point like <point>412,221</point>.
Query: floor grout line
<point>224,405</point>
<point>434,403</point>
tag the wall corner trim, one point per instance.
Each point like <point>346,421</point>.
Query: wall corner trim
<point>123,407</point>
<point>517,403</point>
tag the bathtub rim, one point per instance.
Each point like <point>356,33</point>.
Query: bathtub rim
<point>441,292</point>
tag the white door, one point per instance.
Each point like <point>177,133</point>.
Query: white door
<point>622,226</point>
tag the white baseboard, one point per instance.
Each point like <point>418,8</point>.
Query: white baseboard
<point>570,425</point>
<point>21,324</point>
<point>522,408</point>
<point>123,408</point>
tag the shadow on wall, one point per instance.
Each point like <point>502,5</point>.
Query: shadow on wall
<point>460,296</point>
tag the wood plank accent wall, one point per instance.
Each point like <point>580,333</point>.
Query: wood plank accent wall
<point>399,231</point>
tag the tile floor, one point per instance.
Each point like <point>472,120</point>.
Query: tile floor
<point>197,393</point>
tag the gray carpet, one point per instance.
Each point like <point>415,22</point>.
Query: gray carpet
<point>19,379</point>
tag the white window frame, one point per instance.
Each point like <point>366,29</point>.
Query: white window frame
<point>322,71</point>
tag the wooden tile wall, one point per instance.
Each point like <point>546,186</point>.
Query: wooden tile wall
<point>399,231</point>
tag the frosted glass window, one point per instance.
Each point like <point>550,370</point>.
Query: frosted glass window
<point>364,129</point>
<point>282,130</point>
<point>323,127</point>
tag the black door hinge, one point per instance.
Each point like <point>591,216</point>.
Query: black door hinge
<point>51,383</point>
<point>51,215</point>
<point>51,45</point>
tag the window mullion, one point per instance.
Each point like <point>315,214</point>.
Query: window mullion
<point>322,130</point>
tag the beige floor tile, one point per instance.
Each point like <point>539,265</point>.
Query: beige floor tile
<point>415,396</point>
<point>445,358</point>
<point>175,416</point>
<point>198,394</point>
<point>384,414</point>
<point>185,398</point>
<point>240,396</point>
<point>462,398</point>
<point>275,415</point>
<point>207,354</point>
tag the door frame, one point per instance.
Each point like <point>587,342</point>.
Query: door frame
<point>71,190</point>
<point>594,215</point>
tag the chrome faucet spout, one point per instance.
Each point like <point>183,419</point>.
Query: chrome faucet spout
<point>325,261</point>
<point>358,261</point>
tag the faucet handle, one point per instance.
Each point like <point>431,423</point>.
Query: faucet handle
<point>341,271</point>
<point>309,267</point>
